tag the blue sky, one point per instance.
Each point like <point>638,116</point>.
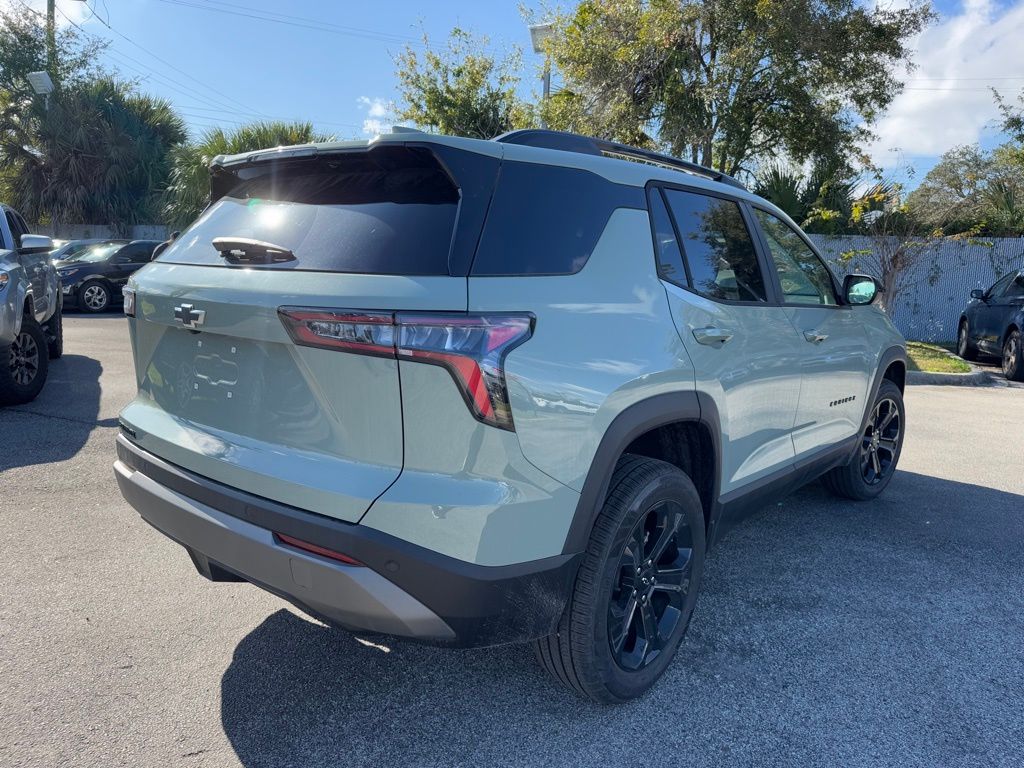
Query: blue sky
<point>221,66</point>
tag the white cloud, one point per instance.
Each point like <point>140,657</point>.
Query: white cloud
<point>66,9</point>
<point>378,114</point>
<point>947,100</point>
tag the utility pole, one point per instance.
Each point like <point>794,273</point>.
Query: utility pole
<point>51,38</point>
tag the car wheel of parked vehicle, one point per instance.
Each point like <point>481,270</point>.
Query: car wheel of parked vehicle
<point>872,467</point>
<point>964,348</point>
<point>23,365</point>
<point>54,329</point>
<point>1013,357</point>
<point>94,297</point>
<point>636,588</point>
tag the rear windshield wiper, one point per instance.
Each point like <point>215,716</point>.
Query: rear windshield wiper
<point>245,250</point>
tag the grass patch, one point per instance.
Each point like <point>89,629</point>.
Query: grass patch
<point>933,359</point>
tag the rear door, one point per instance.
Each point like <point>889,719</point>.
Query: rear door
<point>836,363</point>
<point>227,392</point>
<point>743,348</point>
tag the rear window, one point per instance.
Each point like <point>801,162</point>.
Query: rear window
<point>388,211</point>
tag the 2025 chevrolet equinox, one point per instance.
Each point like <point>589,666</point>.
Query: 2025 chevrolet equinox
<point>478,392</point>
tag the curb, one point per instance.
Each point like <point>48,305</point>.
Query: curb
<point>976,378</point>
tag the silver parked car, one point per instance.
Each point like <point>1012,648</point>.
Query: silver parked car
<point>31,332</point>
<point>476,392</point>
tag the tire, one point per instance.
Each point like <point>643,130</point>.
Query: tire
<point>964,348</point>
<point>1013,357</point>
<point>646,499</point>
<point>870,470</point>
<point>54,330</point>
<point>23,365</point>
<point>94,297</point>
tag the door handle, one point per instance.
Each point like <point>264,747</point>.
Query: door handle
<point>814,337</point>
<point>711,335</point>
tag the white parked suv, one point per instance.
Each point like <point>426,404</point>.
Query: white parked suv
<point>476,392</point>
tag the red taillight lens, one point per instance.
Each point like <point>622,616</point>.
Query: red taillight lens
<point>305,546</point>
<point>471,347</point>
<point>369,333</point>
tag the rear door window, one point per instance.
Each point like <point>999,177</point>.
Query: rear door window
<point>717,246</point>
<point>389,211</point>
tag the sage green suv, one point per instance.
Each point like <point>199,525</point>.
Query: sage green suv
<point>477,392</point>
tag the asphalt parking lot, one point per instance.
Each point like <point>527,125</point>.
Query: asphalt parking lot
<point>828,633</point>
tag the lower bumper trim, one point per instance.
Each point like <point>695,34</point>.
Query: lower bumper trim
<point>404,590</point>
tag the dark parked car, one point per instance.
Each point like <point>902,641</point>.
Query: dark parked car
<point>92,279</point>
<point>66,249</point>
<point>992,324</point>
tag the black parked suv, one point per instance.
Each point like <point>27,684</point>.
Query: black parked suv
<point>993,322</point>
<point>92,279</point>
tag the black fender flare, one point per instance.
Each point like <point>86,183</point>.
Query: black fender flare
<point>887,358</point>
<point>641,417</point>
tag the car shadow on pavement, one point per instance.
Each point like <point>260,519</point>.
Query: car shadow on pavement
<point>56,425</point>
<point>827,633</point>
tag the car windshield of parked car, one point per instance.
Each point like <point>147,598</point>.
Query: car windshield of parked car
<point>97,253</point>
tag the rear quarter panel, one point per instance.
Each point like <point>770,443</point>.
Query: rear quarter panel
<point>603,340</point>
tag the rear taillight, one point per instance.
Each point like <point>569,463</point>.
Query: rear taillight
<point>471,347</point>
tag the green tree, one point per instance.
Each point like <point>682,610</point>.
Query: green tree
<point>820,201</point>
<point>461,89</point>
<point>727,84</point>
<point>188,190</point>
<point>98,155</point>
<point>973,191</point>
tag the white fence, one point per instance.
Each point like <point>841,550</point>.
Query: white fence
<point>929,308</point>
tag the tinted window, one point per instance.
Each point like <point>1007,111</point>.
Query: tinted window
<point>136,252</point>
<point>1015,288</point>
<point>666,248</point>
<point>16,229</point>
<point>388,211</point>
<point>546,220</point>
<point>717,246</point>
<point>802,275</point>
<point>1000,285</point>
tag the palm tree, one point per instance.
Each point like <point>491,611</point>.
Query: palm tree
<point>98,156</point>
<point>189,189</point>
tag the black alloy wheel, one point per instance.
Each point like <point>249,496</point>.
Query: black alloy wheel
<point>24,359</point>
<point>873,462</point>
<point>1013,357</point>
<point>963,343</point>
<point>649,595</point>
<point>880,442</point>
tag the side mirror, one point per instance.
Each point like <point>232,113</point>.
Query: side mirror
<point>861,289</point>
<point>977,293</point>
<point>35,244</point>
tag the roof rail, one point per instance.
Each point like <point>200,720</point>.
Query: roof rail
<point>588,145</point>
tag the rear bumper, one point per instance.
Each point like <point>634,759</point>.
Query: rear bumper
<point>405,590</point>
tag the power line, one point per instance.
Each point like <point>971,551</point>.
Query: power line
<point>297,21</point>
<point>167,63</point>
<point>147,72</point>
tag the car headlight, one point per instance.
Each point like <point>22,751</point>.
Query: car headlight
<point>4,278</point>
<point>67,273</point>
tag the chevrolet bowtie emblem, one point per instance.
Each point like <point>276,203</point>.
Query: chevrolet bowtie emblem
<point>190,316</point>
